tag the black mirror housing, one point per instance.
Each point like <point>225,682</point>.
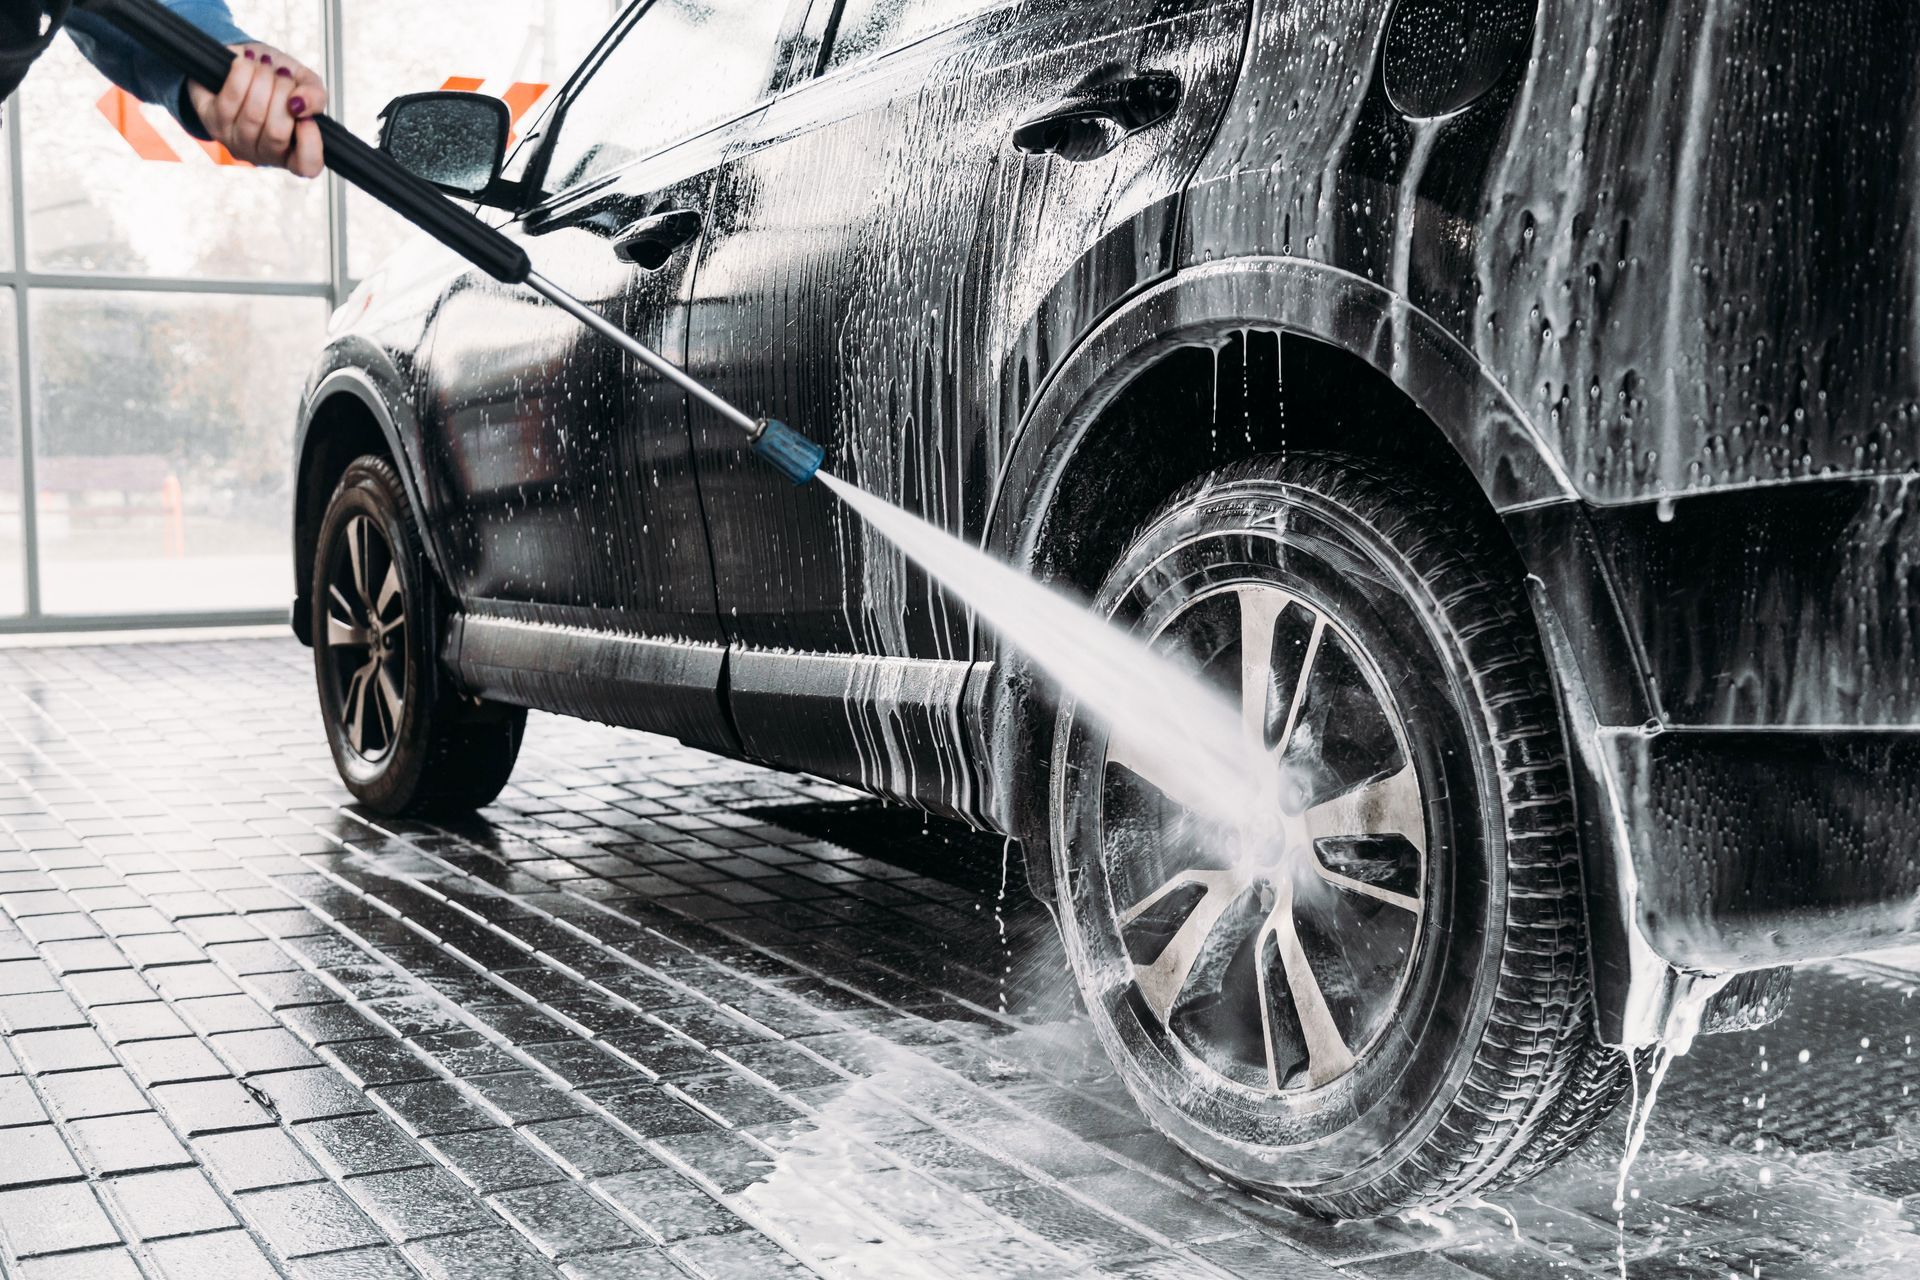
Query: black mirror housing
<point>455,141</point>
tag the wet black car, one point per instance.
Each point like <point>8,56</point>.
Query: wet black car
<point>1515,410</point>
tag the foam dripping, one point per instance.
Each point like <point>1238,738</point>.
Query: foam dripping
<point>1677,1033</point>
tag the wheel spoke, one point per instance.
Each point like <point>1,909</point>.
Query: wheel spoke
<point>389,591</point>
<point>355,710</point>
<point>344,635</point>
<point>1299,698</point>
<point>1328,1057</point>
<point>1260,609</point>
<point>1162,981</point>
<point>1388,806</point>
<point>360,551</point>
<point>390,702</point>
<point>1404,901</point>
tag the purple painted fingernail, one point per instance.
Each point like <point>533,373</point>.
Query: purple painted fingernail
<point>282,71</point>
<point>297,105</point>
<point>250,54</point>
<point>266,59</point>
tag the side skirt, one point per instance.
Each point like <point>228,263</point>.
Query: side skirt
<point>637,682</point>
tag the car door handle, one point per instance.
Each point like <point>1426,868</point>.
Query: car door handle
<point>1099,114</point>
<point>648,243</point>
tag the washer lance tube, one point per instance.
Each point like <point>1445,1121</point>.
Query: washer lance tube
<point>206,61</point>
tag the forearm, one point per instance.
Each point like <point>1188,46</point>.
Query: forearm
<point>140,73</point>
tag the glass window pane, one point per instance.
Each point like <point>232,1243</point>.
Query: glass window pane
<point>6,197</point>
<point>130,191</point>
<point>13,587</point>
<point>163,434</point>
<point>509,48</point>
<point>685,65</point>
<point>871,27</point>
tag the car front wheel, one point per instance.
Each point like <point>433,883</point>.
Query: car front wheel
<point>402,740</point>
<point>1378,1001</point>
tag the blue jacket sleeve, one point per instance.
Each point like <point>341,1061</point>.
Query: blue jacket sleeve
<point>140,73</point>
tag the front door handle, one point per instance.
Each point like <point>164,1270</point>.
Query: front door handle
<point>1099,114</point>
<point>648,243</point>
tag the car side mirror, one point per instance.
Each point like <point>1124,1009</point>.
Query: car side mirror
<point>456,141</point>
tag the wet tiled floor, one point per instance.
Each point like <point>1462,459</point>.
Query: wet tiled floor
<point>659,1014</point>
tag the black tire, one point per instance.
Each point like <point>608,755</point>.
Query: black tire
<point>409,744</point>
<point>1384,1005</point>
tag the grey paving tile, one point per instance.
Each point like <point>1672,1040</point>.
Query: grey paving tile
<point>18,1103</point>
<point>177,1202</point>
<point>96,991</point>
<point>254,1158</point>
<point>210,1105</point>
<point>494,1160</point>
<point>667,1206</point>
<point>525,1097</point>
<point>496,1254</point>
<point>74,1050</point>
<point>254,1052</point>
<point>230,1255</point>
<point>564,1219</point>
<point>107,1091</point>
<point>359,1145</point>
<point>627,1264</point>
<point>417,1203</point>
<point>45,1011</point>
<point>52,1219</point>
<point>429,1108</point>
<point>314,1093</point>
<point>736,1257</point>
<point>379,1061</point>
<point>588,1147</point>
<point>95,1264</point>
<point>1064,1222</point>
<point>35,1154</point>
<point>149,1021</point>
<point>174,1061</point>
<point>360,1264</point>
<point>312,1218</point>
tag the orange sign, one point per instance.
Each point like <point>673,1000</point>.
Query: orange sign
<point>519,97</point>
<point>128,117</point>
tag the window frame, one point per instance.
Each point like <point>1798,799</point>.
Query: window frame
<point>836,13</point>
<point>547,131</point>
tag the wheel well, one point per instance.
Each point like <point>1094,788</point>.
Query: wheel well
<point>1201,407</point>
<point>1192,411</point>
<point>342,429</point>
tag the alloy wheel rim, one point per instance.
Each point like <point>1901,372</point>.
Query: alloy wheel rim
<point>1274,959</point>
<point>366,638</point>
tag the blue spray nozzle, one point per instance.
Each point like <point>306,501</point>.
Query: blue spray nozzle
<point>795,456</point>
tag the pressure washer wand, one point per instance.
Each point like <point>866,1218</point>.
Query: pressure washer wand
<point>206,61</point>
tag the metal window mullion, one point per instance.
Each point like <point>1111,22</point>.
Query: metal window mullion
<point>333,37</point>
<point>176,284</point>
<point>23,338</point>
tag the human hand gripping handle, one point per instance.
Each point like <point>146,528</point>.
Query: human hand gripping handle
<point>207,62</point>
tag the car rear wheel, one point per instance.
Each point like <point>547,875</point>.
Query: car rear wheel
<point>1378,1001</point>
<point>403,741</point>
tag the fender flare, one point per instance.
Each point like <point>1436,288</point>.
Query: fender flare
<point>358,381</point>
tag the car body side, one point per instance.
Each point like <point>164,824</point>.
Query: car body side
<point>1652,298</point>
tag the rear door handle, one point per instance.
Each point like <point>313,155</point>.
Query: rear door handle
<point>648,243</point>
<point>1100,113</point>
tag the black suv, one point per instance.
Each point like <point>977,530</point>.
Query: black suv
<point>1515,410</point>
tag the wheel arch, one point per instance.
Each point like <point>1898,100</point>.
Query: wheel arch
<point>346,415</point>
<point>1093,458</point>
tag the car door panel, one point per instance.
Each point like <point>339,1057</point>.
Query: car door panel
<point>885,270</point>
